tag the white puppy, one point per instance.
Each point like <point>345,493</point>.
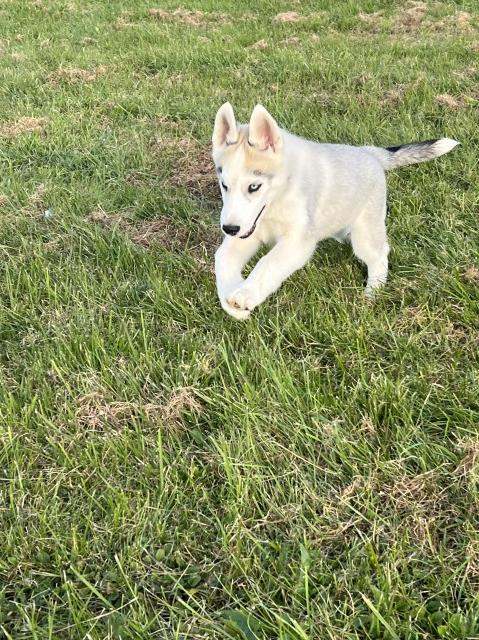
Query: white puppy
<point>290,192</point>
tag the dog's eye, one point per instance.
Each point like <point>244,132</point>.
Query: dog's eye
<point>253,187</point>
<point>224,186</point>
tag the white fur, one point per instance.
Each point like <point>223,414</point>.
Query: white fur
<point>316,191</point>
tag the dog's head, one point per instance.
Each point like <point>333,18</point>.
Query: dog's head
<point>248,158</point>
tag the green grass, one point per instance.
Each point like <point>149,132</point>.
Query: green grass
<point>167,472</point>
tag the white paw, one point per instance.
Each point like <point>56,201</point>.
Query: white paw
<point>238,314</point>
<point>243,299</point>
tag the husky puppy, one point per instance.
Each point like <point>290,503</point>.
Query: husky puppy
<point>288,192</point>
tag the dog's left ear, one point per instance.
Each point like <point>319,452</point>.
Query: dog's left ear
<point>264,132</point>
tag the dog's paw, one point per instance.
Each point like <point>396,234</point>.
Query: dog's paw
<point>243,299</point>
<point>237,314</point>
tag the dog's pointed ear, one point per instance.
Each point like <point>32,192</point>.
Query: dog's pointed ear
<point>264,132</point>
<point>225,130</point>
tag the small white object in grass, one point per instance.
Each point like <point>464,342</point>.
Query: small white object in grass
<point>47,214</point>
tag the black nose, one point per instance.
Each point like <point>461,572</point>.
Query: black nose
<point>231,229</point>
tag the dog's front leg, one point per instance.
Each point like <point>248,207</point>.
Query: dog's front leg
<point>230,259</point>
<point>286,257</point>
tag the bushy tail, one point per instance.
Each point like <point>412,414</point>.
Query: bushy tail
<point>405,154</point>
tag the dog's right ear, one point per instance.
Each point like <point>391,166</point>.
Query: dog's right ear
<point>225,130</point>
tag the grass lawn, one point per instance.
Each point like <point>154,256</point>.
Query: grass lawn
<point>168,472</point>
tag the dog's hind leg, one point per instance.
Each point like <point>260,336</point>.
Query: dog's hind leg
<point>369,242</point>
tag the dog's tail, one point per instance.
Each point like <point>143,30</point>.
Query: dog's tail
<point>405,154</point>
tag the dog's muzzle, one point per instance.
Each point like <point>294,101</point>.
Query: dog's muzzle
<point>247,235</point>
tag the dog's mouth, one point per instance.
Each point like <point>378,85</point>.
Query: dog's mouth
<point>247,235</point>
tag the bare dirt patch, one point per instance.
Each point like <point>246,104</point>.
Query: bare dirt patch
<point>21,126</point>
<point>72,75</point>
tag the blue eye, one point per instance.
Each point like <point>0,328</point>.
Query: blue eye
<point>254,187</point>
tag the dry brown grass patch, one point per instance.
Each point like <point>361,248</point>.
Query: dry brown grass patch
<point>372,21</point>
<point>193,167</point>
<point>72,75</point>
<point>411,17</point>
<point>18,57</point>
<point>414,17</point>
<point>123,23</point>
<point>190,17</point>
<point>392,97</point>
<point>469,465</point>
<point>446,100</point>
<point>292,40</point>
<point>160,231</point>
<point>471,274</point>
<point>459,22</point>
<point>21,126</point>
<point>181,400</point>
<point>288,16</point>
<point>96,413</point>
<point>261,44</point>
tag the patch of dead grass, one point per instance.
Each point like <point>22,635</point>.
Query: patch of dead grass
<point>261,44</point>
<point>448,101</point>
<point>192,164</point>
<point>21,126</point>
<point>372,21</point>
<point>161,231</point>
<point>95,412</point>
<point>292,40</point>
<point>71,75</point>
<point>288,16</point>
<point>393,97</point>
<point>459,22</point>
<point>410,18</point>
<point>123,23</point>
<point>471,274</point>
<point>469,465</point>
<point>181,400</point>
<point>415,17</point>
<point>189,17</point>
<point>18,57</point>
